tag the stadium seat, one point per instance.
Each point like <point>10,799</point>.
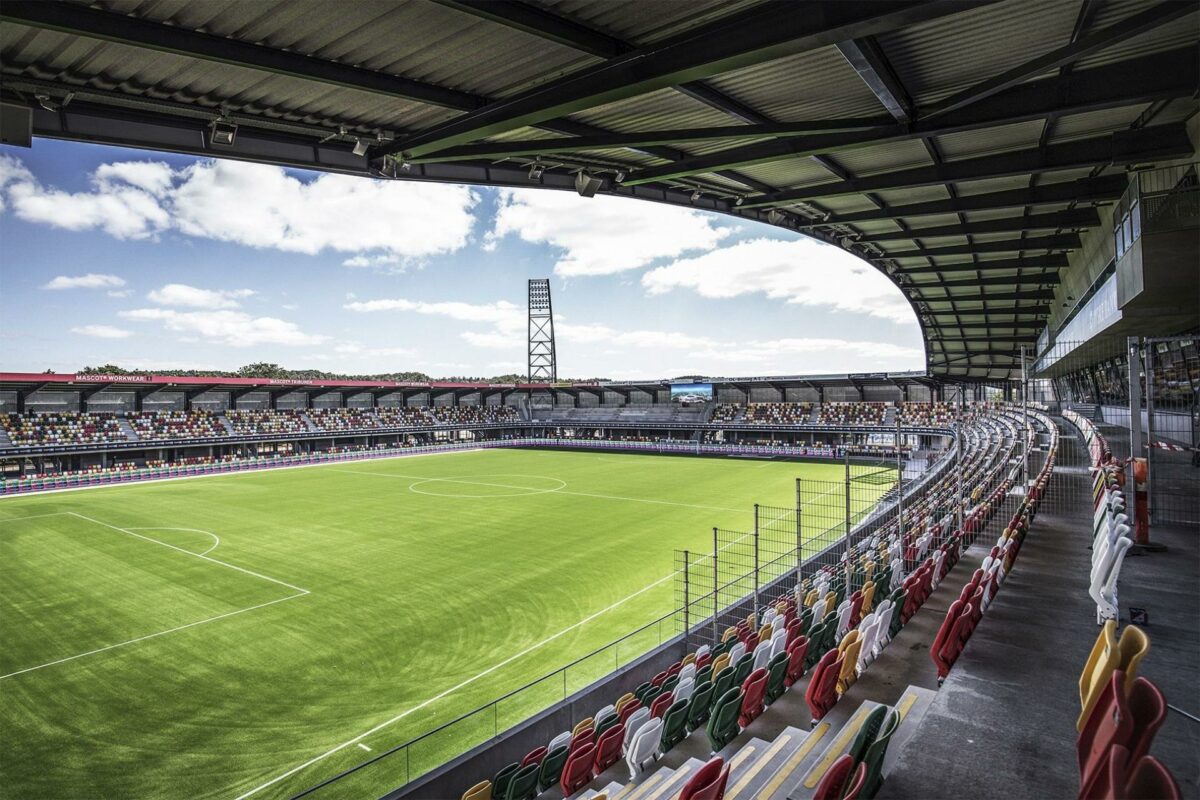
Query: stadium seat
<point>736,652</point>
<point>674,725</point>
<point>684,689</point>
<point>502,779</point>
<point>524,783</point>
<point>1108,655</point>
<point>779,642</point>
<point>644,747</point>
<point>708,782</point>
<point>1150,779</point>
<point>868,599</point>
<point>762,654</point>
<point>636,720</point>
<point>1127,717</point>
<point>719,663</point>
<point>797,655</point>
<point>700,705</point>
<point>577,772</point>
<point>589,722</point>
<point>743,668</point>
<point>552,767</point>
<point>609,720</point>
<point>870,634</point>
<point>608,748</point>
<point>722,683</point>
<point>561,740</point>
<point>534,756</point>
<point>777,671</point>
<point>944,651</point>
<point>871,744</point>
<point>1105,575</point>
<point>585,737</point>
<point>900,601</point>
<point>704,674</point>
<point>822,686</point>
<point>723,723</point>
<point>842,780</point>
<point>849,650</point>
<point>480,791</point>
<point>688,671</point>
<point>629,709</point>
<point>604,712</point>
<point>754,691</point>
<point>623,700</point>
<point>845,612</point>
<point>661,704</point>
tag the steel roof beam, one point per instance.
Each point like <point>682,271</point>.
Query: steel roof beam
<point>985,326</point>
<point>984,339</point>
<point>1011,311</point>
<point>1064,241</point>
<point>1106,188</point>
<point>1124,30</point>
<point>994,280</point>
<point>1073,218</point>
<point>1172,74</point>
<point>759,34</point>
<point>1053,261</point>
<point>1030,294</point>
<point>543,24</point>
<point>869,61</point>
<point>106,26</point>
<point>1122,147</point>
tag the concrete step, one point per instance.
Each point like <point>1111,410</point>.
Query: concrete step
<point>748,777</point>
<point>661,784</point>
<point>803,782</point>
<point>782,777</point>
<point>912,707</point>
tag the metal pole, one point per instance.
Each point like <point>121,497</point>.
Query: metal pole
<point>847,534</point>
<point>1024,421</point>
<point>799,537</point>
<point>756,562</point>
<point>1135,419</point>
<point>716,610</point>
<point>958,463</point>
<point>687,628</point>
<point>899,483</point>
<point>1149,352</point>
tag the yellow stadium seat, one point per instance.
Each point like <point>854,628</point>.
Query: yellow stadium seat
<point>623,700</point>
<point>849,649</point>
<point>480,791</point>
<point>719,663</point>
<point>868,597</point>
<point>752,620</point>
<point>690,658</point>
<point>729,633</point>
<point>1109,654</point>
<point>583,723</point>
<point>764,633</point>
<point>811,598</point>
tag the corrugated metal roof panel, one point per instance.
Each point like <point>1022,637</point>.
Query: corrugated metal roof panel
<point>915,194</point>
<point>643,21</point>
<point>1165,37</point>
<point>789,172</point>
<point>1094,123</point>
<point>659,110</point>
<point>968,144</point>
<point>937,58</point>
<point>865,161</point>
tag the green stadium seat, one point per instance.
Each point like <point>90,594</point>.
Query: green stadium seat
<point>704,674</point>
<point>722,684</point>
<point>875,752</point>
<point>700,705</point>
<point>743,668</point>
<point>777,671</point>
<point>723,724</point>
<point>675,728</point>
<point>523,785</point>
<point>502,779</point>
<point>552,766</point>
<point>609,721</point>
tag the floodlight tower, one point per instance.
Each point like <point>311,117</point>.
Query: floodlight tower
<point>542,363</point>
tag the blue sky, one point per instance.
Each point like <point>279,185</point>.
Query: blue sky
<point>154,261</point>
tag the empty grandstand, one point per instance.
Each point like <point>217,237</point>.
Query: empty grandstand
<point>916,523</point>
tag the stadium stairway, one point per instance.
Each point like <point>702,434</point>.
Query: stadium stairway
<point>4,440</point>
<point>127,429</point>
<point>224,420</point>
<point>1004,721</point>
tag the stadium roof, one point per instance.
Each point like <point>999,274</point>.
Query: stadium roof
<point>960,147</point>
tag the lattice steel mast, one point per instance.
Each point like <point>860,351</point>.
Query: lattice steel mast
<point>542,364</point>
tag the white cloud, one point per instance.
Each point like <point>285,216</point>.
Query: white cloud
<point>501,313</point>
<point>379,223</point>
<point>356,349</point>
<point>633,339</point>
<point>602,235</point>
<point>233,328</point>
<point>806,272</point>
<point>92,280</point>
<point>180,294</point>
<point>102,331</point>
<point>813,355</point>
<point>119,292</point>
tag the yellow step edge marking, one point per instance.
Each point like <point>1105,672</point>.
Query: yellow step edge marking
<point>849,731</point>
<point>636,787</point>
<point>682,772</point>
<point>772,751</point>
<point>814,737</point>
<point>906,705</point>
<point>741,756</point>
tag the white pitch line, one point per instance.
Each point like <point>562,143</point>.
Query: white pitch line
<point>150,636</point>
<point>194,555</point>
<point>216,539</point>
<point>35,516</point>
<point>474,678</point>
<point>364,747</point>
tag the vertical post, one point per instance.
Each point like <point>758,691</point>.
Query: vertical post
<point>899,483</point>
<point>687,628</point>
<point>716,607</point>
<point>799,536</point>
<point>958,466</point>
<point>756,562</point>
<point>1149,354</point>
<point>846,548</point>
<point>1024,421</point>
<point>1135,418</point>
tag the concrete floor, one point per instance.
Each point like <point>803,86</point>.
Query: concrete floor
<point>1003,725</point>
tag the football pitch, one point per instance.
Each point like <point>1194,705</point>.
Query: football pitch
<point>250,635</point>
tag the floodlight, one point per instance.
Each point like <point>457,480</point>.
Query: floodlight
<point>222,133</point>
<point>535,170</point>
<point>587,185</point>
<point>361,146</point>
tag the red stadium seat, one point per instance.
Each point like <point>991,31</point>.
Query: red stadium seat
<point>842,781</point>
<point>534,756</point>
<point>1150,779</point>
<point>587,737</point>
<point>856,606</point>
<point>628,709</point>
<point>708,783</point>
<point>942,637</point>
<point>822,686</point>
<point>577,772</point>
<point>608,748</point>
<point>797,651</point>
<point>753,692</point>
<point>1130,721</point>
<point>661,704</point>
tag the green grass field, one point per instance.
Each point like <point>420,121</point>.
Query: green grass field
<point>207,638</point>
